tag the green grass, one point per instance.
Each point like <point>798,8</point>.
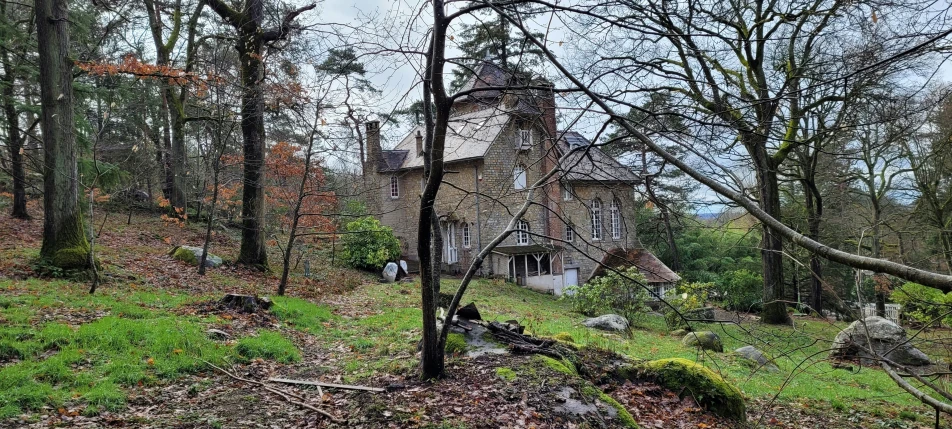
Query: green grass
<point>268,345</point>
<point>138,340</point>
<point>300,314</point>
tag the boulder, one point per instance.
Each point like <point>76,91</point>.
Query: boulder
<point>705,340</point>
<point>608,322</point>
<point>217,334</point>
<point>679,332</point>
<point>692,379</point>
<point>390,272</point>
<point>756,356</point>
<point>886,339</point>
<point>193,254</point>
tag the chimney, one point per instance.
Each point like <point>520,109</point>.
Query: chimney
<point>419,143</point>
<point>373,147</point>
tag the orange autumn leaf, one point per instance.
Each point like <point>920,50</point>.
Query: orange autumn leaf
<point>150,361</point>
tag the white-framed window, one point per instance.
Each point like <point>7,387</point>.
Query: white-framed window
<point>522,233</point>
<point>519,177</point>
<point>596,219</point>
<point>394,187</point>
<point>525,139</point>
<point>569,234</point>
<point>467,241</point>
<point>567,192</point>
<point>615,220</point>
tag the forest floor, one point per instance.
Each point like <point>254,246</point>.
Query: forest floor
<point>136,354</point>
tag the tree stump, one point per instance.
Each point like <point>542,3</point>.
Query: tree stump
<point>246,303</point>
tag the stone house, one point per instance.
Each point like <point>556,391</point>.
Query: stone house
<point>499,143</point>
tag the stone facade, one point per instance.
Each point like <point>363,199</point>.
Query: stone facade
<point>481,189</point>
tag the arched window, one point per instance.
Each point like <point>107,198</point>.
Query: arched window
<point>519,177</point>
<point>394,187</point>
<point>522,233</point>
<point>596,219</point>
<point>615,214</point>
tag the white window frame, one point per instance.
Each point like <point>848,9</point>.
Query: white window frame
<point>522,233</point>
<point>525,139</point>
<point>615,214</point>
<point>569,234</point>
<point>394,187</point>
<point>467,240</point>
<point>596,212</point>
<point>519,176</point>
<point>567,192</point>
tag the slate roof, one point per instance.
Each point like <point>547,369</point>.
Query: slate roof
<point>654,270</point>
<point>391,160</point>
<point>468,137</point>
<point>486,75</point>
<point>591,165</point>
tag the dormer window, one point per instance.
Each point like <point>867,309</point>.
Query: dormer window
<point>519,177</point>
<point>525,140</point>
<point>394,187</point>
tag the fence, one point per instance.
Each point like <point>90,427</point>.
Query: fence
<point>892,311</point>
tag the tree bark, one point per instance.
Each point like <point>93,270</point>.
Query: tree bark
<point>64,240</point>
<point>15,142</point>
<point>775,310</point>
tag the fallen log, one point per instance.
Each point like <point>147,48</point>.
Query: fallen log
<point>323,384</point>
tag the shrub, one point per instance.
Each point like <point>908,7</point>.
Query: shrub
<point>921,303</point>
<point>612,293</point>
<point>368,244</point>
<point>689,296</point>
<point>741,290</point>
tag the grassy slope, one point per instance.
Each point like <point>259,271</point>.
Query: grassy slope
<point>51,331</point>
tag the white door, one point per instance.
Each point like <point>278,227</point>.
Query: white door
<point>451,256</point>
<point>571,278</point>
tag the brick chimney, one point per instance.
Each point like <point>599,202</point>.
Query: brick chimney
<point>373,147</point>
<point>552,192</point>
<point>419,143</point>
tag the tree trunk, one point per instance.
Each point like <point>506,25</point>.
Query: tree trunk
<point>15,138</point>
<point>64,240</point>
<point>250,44</point>
<point>775,310</point>
<point>877,250</point>
<point>814,206</point>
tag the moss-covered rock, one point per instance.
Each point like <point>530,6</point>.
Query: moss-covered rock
<point>563,366</point>
<point>564,337</point>
<point>183,254</point>
<point>708,389</point>
<point>627,420</point>
<point>705,340</point>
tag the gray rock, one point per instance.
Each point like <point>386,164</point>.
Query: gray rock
<point>679,332</point>
<point>752,354</point>
<point>705,340</point>
<point>390,272</point>
<point>193,254</point>
<point>608,322</point>
<point>886,339</point>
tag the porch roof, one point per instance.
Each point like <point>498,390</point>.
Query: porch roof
<point>526,249</point>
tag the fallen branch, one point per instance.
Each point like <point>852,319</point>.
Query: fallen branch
<point>321,383</point>
<point>286,395</point>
